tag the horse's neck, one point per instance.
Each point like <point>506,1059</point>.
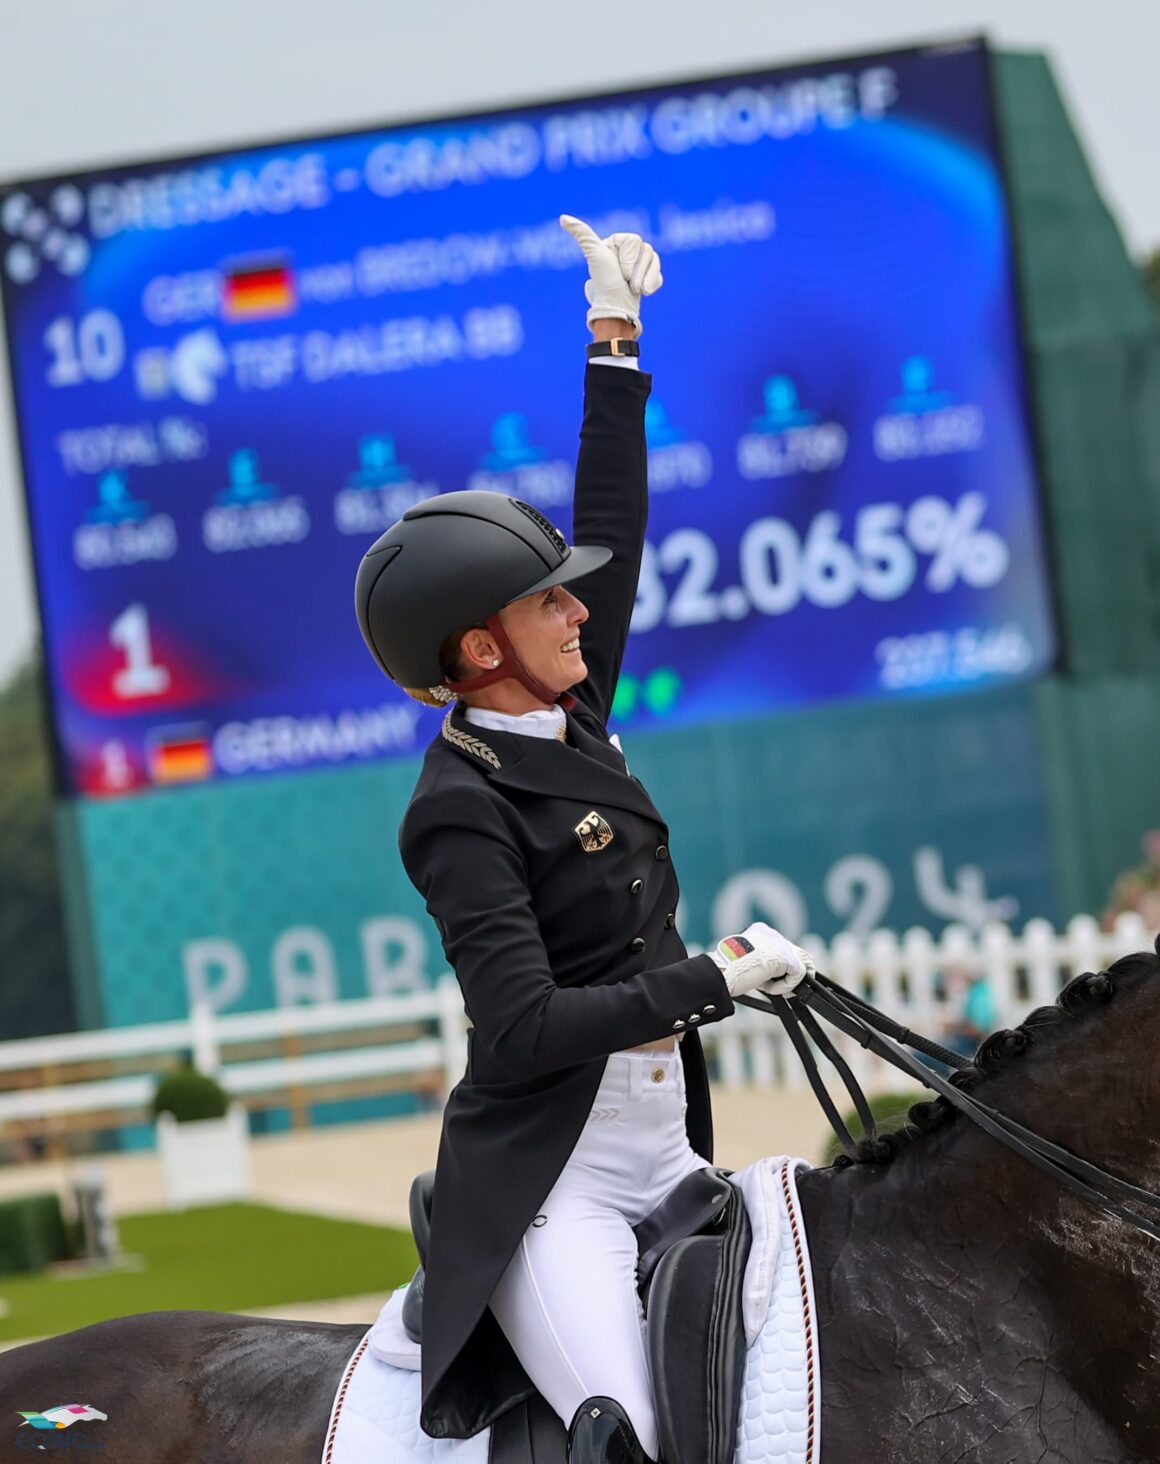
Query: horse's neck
<point>1098,1276</point>
<point>959,1250</point>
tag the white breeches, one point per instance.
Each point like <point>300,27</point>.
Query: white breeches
<point>567,1302</point>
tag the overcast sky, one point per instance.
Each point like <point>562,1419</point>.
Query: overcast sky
<point>92,81</point>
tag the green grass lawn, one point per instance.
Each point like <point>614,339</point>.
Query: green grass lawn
<point>222,1258</point>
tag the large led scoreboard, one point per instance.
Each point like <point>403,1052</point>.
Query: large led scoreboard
<point>232,372</point>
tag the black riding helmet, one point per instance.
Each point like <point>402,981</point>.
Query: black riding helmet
<point>452,562</point>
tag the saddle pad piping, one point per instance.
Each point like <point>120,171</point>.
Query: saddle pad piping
<point>339,1397</point>
<point>789,1192</point>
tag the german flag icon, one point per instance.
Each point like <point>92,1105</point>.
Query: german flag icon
<point>181,754</point>
<point>258,288</point>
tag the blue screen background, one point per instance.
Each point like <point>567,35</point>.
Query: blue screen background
<point>844,494</point>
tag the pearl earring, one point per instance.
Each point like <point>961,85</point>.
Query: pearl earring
<point>495,662</point>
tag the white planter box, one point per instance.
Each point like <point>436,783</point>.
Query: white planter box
<point>206,1162</point>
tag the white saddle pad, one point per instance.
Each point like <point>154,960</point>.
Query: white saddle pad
<point>375,1416</point>
<point>781,1395</point>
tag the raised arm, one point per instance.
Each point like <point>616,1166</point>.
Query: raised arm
<point>610,508</point>
<point>610,505</point>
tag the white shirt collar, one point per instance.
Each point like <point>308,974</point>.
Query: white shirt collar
<point>546,723</point>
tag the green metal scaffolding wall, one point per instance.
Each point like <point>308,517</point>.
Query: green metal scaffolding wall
<point>1094,346</point>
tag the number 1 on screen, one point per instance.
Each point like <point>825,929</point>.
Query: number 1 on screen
<point>141,676</point>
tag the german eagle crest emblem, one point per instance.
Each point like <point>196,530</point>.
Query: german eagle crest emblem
<point>594,832</point>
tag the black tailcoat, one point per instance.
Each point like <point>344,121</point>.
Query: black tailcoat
<point>562,939</point>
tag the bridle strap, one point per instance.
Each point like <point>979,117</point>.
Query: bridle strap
<point>890,1028</point>
<point>1093,1184</point>
<point>1081,1168</point>
<point>788,1018</point>
<point>841,1067</point>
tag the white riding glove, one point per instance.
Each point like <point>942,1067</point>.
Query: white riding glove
<point>761,959</point>
<point>621,269</point>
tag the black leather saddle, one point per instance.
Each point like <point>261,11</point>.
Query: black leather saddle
<point>693,1249</point>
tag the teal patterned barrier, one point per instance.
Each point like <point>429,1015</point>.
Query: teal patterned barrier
<point>272,891</point>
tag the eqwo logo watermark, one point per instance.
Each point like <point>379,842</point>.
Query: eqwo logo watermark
<point>45,1432</point>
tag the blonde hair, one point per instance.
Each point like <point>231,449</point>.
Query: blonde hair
<point>431,696</point>
<point>449,653</point>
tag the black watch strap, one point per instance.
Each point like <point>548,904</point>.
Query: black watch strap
<point>617,347</point>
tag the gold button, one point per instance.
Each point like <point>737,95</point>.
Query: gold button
<point>658,1075</point>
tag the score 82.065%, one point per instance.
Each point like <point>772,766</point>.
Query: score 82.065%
<point>780,567</point>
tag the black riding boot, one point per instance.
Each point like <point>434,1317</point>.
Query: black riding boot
<point>602,1434</point>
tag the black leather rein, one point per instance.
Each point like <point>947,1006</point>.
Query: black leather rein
<point>874,1031</point>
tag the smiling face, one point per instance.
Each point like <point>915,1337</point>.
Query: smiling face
<point>544,628</point>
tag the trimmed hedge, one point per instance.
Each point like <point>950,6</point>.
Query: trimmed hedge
<point>33,1234</point>
<point>190,1095</point>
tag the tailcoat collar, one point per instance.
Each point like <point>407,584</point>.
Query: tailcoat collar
<point>591,770</point>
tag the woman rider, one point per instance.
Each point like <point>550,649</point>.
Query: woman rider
<point>546,868</point>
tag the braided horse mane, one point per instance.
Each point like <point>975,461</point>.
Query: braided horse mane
<point>1080,996</point>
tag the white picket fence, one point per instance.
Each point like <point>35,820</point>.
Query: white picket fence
<point>905,977</point>
<point>46,1083</point>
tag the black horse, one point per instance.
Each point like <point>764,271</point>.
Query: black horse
<point>971,1311</point>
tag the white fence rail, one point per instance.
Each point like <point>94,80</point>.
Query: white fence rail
<point>907,978</point>
<point>49,1081</point>
<point>36,1071</point>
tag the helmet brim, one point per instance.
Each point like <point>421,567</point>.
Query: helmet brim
<point>582,560</point>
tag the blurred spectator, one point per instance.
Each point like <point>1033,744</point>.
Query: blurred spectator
<point>1138,889</point>
<point>969,993</point>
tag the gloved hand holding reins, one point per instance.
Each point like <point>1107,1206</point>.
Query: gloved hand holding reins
<point>761,959</point>
<point>621,269</point>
